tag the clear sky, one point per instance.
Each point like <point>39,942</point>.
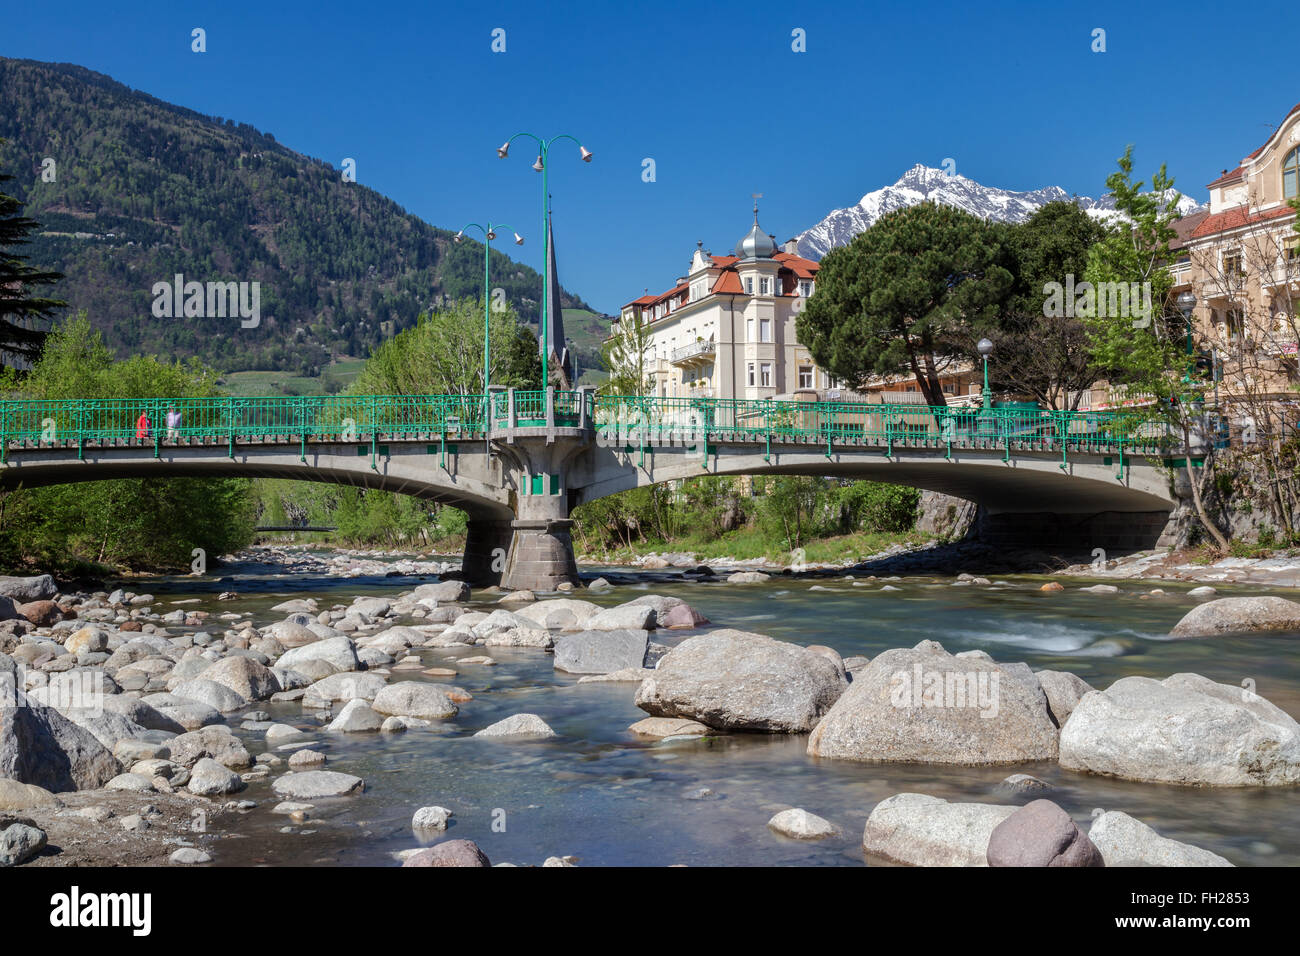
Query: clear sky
<point>712,92</point>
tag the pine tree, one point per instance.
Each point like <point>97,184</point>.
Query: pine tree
<point>21,312</point>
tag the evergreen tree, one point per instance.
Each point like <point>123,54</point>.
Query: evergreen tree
<point>22,312</point>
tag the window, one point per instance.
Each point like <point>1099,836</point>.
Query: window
<point>765,330</point>
<point>765,286</point>
<point>805,376</point>
<point>805,288</point>
<point>749,331</point>
<point>765,374</point>
<point>749,285</point>
<point>1232,263</point>
<point>751,374</point>
<point>1291,174</point>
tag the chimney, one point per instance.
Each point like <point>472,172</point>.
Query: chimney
<point>792,246</point>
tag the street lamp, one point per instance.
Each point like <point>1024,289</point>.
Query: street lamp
<point>541,165</point>
<point>489,233</point>
<point>985,348</point>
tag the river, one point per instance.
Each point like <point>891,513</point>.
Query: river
<point>607,797</point>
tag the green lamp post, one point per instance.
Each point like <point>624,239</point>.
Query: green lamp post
<point>544,147</point>
<point>985,348</point>
<point>489,233</point>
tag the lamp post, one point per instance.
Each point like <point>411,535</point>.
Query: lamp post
<point>544,148</point>
<point>489,233</point>
<point>985,348</point>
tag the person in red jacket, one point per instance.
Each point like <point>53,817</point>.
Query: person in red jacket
<point>142,426</point>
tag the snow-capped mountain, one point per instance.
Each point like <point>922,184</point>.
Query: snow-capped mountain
<point>922,183</point>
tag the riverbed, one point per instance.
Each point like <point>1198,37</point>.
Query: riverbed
<point>604,796</point>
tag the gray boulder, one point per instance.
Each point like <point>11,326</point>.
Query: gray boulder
<point>442,592</point>
<point>1124,841</point>
<point>339,652</point>
<point>1239,615</point>
<point>215,742</point>
<point>39,745</point>
<point>923,705</point>
<point>38,587</point>
<point>1185,729</point>
<point>19,843</point>
<point>355,717</point>
<point>1064,691</point>
<point>450,853</point>
<point>217,696</point>
<point>245,676</point>
<point>209,779</point>
<point>559,613</point>
<point>921,830</point>
<point>519,725</point>
<point>736,680</point>
<point>317,784</point>
<point>601,652</point>
<point>410,698</point>
<point>352,685</point>
<point>623,617</point>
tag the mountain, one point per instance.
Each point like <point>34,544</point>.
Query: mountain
<point>923,183</point>
<point>131,191</point>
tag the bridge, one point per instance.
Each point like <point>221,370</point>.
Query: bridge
<point>518,461</point>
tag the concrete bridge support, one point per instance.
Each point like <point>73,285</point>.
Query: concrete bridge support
<point>487,548</point>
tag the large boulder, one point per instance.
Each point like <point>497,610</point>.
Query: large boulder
<point>449,853</point>
<point>559,613</point>
<point>209,779</point>
<point>217,696</point>
<point>1041,834</point>
<point>1185,729</point>
<point>292,634</point>
<point>736,680</point>
<point>218,743</point>
<point>39,745</point>
<point>190,714</point>
<point>339,652</point>
<point>924,705</point>
<point>317,784</point>
<point>1124,841</point>
<point>921,830</point>
<point>38,587</point>
<point>410,698</point>
<point>601,652</point>
<point>245,676</point>
<point>355,717</point>
<point>518,725</point>
<point>623,617</point>
<point>138,712</point>
<point>41,613</point>
<point>441,592</point>
<point>1064,690</point>
<point>1239,615</point>
<point>352,685</point>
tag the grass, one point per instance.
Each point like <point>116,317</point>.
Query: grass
<point>333,379</point>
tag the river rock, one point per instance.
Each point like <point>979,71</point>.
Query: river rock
<point>352,685</point>
<point>190,714</point>
<point>217,696</point>
<point>292,634</point>
<point>519,725</point>
<point>921,830</point>
<point>338,652</point>
<point>746,577</point>
<point>428,819</point>
<point>736,680</point>
<point>559,613</point>
<point>600,652</point>
<point>245,676</point>
<point>1185,729</point>
<point>41,613</point>
<point>1235,615</point>
<point>317,784</point>
<point>670,727</point>
<point>442,592</point>
<point>449,853</point>
<point>89,639</point>
<point>1064,690</point>
<point>15,795</point>
<point>923,705</point>
<point>355,717</point>
<point>38,587</point>
<point>1041,834</point>
<point>681,617</point>
<point>19,843</point>
<point>414,699</point>
<point>218,743</point>
<point>209,779</point>
<point>622,617</point>
<point>39,745</point>
<point>189,856</point>
<point>1124,841</point>
<point>801,825</point>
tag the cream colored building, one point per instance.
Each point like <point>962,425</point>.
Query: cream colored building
<point>727,328</point>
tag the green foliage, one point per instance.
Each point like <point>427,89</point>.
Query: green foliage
<point>443,354</point>
<point>624,356</point>
<point>135,523</point>
<point>145,190</point>
<point>903,296</point>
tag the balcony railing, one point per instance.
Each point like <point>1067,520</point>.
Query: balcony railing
<point>694,352</point>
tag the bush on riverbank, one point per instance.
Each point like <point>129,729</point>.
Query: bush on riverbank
<point>134,523</point>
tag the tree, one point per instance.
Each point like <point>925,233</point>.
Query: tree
<point>1142,353</point>
<point>902,296</point>
<point>624,355</point>
<point>1041,354</point>
<point>21,311</point>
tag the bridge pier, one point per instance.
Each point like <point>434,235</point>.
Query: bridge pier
<point>487,547</point>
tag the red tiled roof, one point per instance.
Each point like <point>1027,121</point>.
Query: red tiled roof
<point>728,283</point>
<point>1230,177</point>
<point>803,268</point>
<point>1236,217</point>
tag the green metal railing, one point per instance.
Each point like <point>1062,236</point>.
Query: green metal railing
<point>632,420</point>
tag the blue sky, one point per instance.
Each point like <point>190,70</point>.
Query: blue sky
<point>712,92</point>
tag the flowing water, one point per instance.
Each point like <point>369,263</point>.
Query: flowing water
<point>608,797</point>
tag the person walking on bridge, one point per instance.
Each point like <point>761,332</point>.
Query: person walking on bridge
<point>142,426</point>
<point>173,423</point>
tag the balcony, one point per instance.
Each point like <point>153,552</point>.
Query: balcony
<point>696,353</point>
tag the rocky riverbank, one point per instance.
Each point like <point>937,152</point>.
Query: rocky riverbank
<point>134,727</point>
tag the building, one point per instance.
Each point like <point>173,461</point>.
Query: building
<point>1242,262</point>
<point>726,329</point>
